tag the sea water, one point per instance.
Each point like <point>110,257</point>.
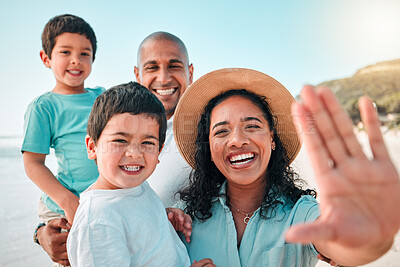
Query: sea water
<point>18,209</point>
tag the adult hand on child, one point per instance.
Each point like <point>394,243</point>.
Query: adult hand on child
<point>181,221</point>
<point>359,198</point>
<point>53,241</point>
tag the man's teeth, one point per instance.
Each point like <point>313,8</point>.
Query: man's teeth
<point>241,159</point>
<point>131,168</point>
<point>163,92</point>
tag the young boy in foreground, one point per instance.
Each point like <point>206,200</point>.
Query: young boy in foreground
<point>120,220</point>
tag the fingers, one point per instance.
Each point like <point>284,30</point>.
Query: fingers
<point>187,221</point>
<point>371,123</point>
<point>181,221</point>
<point>187,227</point>
<point>59,223</point>
<point>306,129</point>
<point>57,248</point>
<point>187,233</point>
<point>310,233</point>
<point>333,124</point>
<point>61,259</point>
<point>328,260</point>
<point>324,124</point>
<point>342,122</point>
<point>203,263</point>
<point>64,262</point>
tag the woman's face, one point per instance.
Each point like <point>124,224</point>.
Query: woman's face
<point>240,141</point>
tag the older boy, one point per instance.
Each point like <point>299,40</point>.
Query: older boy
<point>120,220</point>
<point>58,119</point>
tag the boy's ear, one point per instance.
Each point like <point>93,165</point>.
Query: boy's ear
<point>45,59</point>
<point>90,147</point>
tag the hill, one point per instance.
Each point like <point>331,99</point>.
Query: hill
<point>381,82</point>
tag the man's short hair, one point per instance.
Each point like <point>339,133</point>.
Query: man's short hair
<point>131,98</point>
<point>66,23</point>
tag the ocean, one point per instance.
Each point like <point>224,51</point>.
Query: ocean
<point>19,198</point>
<point>18,210</point>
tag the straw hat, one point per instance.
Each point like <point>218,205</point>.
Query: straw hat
<point>192,103</point>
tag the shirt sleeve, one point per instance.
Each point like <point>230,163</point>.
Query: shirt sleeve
<point>97,245</point>
<point>306,210</point>
<point>37,129</point>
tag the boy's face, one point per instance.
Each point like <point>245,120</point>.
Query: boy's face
<point>71,62</point>
<point>127,151</point>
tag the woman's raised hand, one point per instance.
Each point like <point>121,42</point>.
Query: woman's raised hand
<point>359,197</point>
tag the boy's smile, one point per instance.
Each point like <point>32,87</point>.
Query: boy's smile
<point>71,62</point>
<point>127,151</point>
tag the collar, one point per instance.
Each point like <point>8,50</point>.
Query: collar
<point>222,198</point>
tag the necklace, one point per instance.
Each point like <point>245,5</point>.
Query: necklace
<point>247,215</point>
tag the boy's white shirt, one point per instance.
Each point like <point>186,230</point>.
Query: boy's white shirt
<point>124,227</point>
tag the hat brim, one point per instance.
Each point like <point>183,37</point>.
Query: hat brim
<point>193,101</point>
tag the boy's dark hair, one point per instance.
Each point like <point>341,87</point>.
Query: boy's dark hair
<point>66,23</point>
<point>130,98</point>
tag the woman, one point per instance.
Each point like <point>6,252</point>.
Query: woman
<point>243,195</point>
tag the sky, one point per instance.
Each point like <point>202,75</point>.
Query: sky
<point>296,42</point>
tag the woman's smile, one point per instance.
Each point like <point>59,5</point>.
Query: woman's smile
<point>242,160</point>
<point>240,140</point>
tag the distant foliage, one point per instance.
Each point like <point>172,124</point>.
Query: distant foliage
<point>381,82</point>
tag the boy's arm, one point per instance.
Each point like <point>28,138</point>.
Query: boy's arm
<point>37,171</point>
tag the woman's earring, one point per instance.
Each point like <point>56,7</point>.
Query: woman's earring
<point>273,146</point>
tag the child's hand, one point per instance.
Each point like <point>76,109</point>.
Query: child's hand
<point>181,221</point>
<point>70,210</point>
<point>203,263</point>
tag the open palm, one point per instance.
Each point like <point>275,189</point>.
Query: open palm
<point>359,197</point>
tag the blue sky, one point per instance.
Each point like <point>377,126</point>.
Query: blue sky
<point>296,42</point>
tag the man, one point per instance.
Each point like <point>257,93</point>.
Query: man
<point>163,67</point>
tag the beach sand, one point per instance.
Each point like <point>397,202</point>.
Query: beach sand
<point>19,197</point>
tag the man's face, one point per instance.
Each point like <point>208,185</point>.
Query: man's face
<point>165,71</point>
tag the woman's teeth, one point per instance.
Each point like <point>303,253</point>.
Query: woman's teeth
<point>241,159</point>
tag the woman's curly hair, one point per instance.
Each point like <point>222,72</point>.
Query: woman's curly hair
<point>206,180</point>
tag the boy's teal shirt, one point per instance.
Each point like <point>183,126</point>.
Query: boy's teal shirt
<point>60,122</point>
